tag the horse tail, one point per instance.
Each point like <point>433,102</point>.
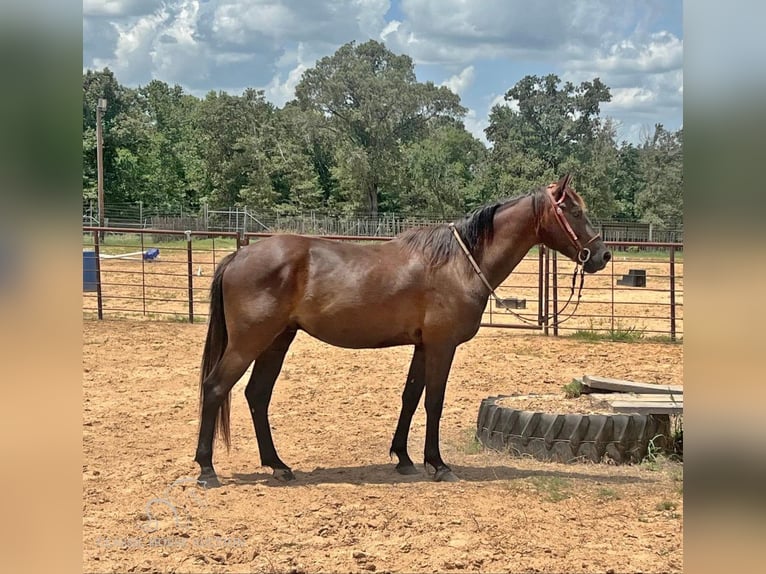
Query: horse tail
<point>215,344</point>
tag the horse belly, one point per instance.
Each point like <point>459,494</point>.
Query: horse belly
<point>362,328</point>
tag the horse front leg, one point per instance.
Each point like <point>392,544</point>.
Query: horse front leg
<point>413,390</point>
<point>438,361</point>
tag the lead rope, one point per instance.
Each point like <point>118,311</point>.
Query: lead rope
<point>479,272</point>
<point>501,303</point>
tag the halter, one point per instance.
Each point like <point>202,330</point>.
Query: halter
<point>583,253</point>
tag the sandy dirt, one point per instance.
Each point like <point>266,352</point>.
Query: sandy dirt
<point>333,415</point>
<point>159,289</point>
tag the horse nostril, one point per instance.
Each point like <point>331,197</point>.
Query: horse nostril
<point>607,256</point>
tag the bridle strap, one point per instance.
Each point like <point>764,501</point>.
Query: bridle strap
<point>559,213</point>
<point>583,253</point>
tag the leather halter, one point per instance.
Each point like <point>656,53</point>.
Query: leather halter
<point>583,253</point>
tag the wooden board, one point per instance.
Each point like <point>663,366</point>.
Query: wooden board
<point>643,397</point>
<point>607,384</point>
<point>647,408</point>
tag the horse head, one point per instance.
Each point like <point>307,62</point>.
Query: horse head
<point>563,225</point>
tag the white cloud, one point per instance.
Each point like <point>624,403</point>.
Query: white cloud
<point>279,92</point>
<point>661,52</point>
<point>457,31</point>
<point>476,125</point>
<point>500,100</point>
<point>459,82</point>
<point>229,44</point>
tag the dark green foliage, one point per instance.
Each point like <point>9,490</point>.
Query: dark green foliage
<point>363,135</point>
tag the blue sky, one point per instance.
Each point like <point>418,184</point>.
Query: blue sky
<point>479,48</point>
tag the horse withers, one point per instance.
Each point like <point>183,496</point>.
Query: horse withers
<point>430,286</point>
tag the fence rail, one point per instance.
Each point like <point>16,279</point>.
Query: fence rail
<point>131,280</point>
<point>244,220</point>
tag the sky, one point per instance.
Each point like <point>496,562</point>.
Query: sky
<point>478,48</point>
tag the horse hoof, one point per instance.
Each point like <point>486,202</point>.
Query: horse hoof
<point>407,469</point>
<point>283,474</point>
<point>445,475</point>
<point>208,480</point>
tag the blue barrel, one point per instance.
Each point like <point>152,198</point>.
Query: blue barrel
<point>89,271</point>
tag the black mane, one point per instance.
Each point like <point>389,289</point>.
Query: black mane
<point>476,230</point>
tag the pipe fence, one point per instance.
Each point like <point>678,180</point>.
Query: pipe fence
<point>153,274</point>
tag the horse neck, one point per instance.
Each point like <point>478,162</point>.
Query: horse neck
<point>514,236</point>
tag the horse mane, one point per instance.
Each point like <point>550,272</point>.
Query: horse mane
<point>437,244</point>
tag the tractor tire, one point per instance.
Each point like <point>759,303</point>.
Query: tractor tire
<point>567,438</point>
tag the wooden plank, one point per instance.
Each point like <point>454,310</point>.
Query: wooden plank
<point>607,384</point>
<point>645,397</point>
<point>643,408</point>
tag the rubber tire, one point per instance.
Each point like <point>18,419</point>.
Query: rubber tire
<point>567,438</point>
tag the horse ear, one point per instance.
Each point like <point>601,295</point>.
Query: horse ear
<point>558,188</point>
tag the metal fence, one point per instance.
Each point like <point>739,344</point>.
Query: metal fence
<point>155,274</point>
<point>245,220</point>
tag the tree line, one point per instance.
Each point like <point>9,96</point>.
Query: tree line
<point>362,135</point>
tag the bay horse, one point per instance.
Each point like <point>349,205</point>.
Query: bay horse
<point>429,286</point>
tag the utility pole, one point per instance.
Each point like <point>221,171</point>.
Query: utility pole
<point>100,108</point>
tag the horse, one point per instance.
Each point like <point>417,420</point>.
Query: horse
<point>430,287</point>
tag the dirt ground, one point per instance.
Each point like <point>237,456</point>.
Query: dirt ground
<point>333,415</point>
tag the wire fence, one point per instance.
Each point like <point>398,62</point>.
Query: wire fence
<point>245,220</point>
<point>165,274</point>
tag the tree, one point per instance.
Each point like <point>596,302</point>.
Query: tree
<point>441,170</point>
<point>179,174</point>
<point>661,200</point>
<point>96,85</point>
<point>372,100</point>
<point>551,122</point>
<point>595,165</point>
<point>233,149</point>
<point>628,182</point>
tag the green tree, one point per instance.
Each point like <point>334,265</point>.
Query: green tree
<point>661,200</point>
<point>595,165</point>
<point>510,168</point>
<point>372,100</point>
<point>233,150</point>
<point>628,182</point>
<point>442,170</point>
<point>551,122</point>
<point>96,85</point>
<point>179,172</point>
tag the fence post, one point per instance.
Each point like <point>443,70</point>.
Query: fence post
<point>672,293</point>
<point>547,289</point>
<point>540,279</point>
<point>97,250</point>
<point>190,273</point>
<point>555,294</point>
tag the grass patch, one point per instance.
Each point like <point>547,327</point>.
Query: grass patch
<point>471,444</point>
<point>620,335</point>
<point>665,505</point>
<point>573,389</point>
<point>654,453</point>
<point>552,488</point>
<point>604,494</point>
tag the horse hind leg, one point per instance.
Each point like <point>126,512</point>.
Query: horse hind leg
<point>216,388</point>
<point>258,394</point>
